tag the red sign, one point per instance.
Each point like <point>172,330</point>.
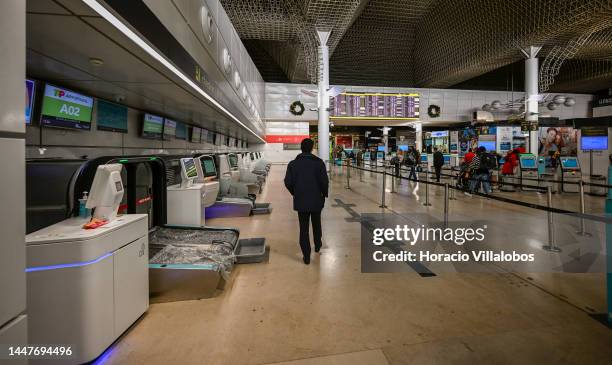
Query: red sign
<point>344,141</point>
<point>285,139</point>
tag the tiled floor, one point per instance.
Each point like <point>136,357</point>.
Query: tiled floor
<point>330,313</point>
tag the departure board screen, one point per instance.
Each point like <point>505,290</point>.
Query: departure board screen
<point>375,106</point>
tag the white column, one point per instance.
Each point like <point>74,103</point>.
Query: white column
<point>385,131</point>
<point>531,93</point>
<point>418,143</point>
<point>323,96</point>
<point>13,321</point>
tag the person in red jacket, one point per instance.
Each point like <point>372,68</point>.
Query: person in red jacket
<point>469,156</point>
<point>512,160</point>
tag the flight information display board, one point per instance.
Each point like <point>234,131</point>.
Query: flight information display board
<point>375,106</point>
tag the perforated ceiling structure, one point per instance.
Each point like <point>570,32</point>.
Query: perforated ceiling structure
<point>431,43</point>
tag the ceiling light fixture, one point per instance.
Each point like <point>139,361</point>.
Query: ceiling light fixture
<point>103,12</point>
<point>96,61</point>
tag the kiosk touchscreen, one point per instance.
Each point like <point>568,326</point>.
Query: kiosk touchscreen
<point>529,170</point>
<point>189,172</point>
<point>570,174</point>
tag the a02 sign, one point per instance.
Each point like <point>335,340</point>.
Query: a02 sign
<point>73,111</point>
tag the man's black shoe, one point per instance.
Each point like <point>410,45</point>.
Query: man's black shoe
<point>318,248</point>
<point>306,260</point>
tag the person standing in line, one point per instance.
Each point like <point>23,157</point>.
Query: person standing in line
<point>438,162</point>
<point>480,166</point>
<point>467,159</point>
<point>306,179</point>
<point>410,161</point>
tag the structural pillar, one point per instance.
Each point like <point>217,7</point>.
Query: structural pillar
<point>13,319</point>
<point>323,96</point>
<point>385,131</point>
<point>532,96</point>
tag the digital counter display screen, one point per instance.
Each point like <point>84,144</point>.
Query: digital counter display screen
<point>152,126</point>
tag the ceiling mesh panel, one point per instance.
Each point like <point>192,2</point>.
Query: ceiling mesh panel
<point>430,43</point>
<point>294,23</point>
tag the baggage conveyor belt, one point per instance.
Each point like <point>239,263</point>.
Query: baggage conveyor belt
<point>188,263</point>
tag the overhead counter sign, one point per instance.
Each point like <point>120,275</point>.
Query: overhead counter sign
<point>66,109</point>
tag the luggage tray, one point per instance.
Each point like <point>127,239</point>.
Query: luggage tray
<point>261,208</point>
<point>250,250</point>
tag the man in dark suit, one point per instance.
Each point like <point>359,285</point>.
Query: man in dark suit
<point>306,179</point>
<point>438,162</point>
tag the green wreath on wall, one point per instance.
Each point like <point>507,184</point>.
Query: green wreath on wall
<point>433,111</point>
<point>297,108</point>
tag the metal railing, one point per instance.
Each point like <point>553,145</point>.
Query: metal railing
<point>450,189</point>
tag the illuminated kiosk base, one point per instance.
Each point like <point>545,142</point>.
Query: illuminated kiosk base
<point>187,205</point>
<point>570,179</point>
<point>531,178</point>
<point>86,287</point>
<point>510,179</point>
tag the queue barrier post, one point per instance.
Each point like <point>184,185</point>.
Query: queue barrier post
<point>446,198</point>
<point>348,174</point>
<point>582,230</point>
<point>384,188</point>
<point>427,204</point>
<point>551,247</point>
<point>393,180</point>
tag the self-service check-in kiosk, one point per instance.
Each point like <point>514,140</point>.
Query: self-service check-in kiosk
<point>87,284</point>
<point>528,164</point>
<point>506,180</point>
<point>424,161</point>
<point>447,167</point>
<point>380,158</point>
<point>367,158</point>
<point>187,201</point>
<point>570,174</point>
<point>548,174</point>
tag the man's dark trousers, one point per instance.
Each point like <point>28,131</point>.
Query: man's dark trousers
<point>438,172</point>
<point>305,217</point>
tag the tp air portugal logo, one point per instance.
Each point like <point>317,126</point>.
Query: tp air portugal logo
<point>59,93</point>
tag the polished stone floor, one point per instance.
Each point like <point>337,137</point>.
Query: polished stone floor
<point>284,312</point>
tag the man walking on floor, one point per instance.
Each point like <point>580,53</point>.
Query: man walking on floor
<point>438,162</point>
<point>306,179</point>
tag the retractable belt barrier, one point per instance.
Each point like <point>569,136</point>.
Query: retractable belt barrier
<point>549,209</point>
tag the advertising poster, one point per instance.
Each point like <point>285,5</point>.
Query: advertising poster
<point>454,142</point>
<point>344,141</point>
<point>467,140</point>
<point>504,139</point>
<point>558,139</point>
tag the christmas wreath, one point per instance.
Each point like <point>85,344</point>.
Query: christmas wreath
<point>297,108</point>
<point>433,111</point>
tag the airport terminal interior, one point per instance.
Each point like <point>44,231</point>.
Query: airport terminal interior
<point>156,153</point>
